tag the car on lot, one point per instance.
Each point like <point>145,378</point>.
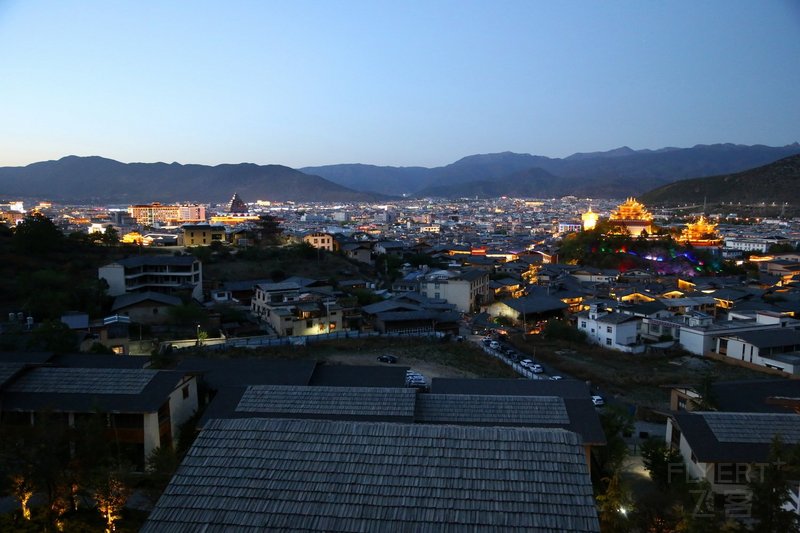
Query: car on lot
<point>494,345</point>
<point>527,363</point>
<point>486,341</point>
<point>387,358</point>
<point>536,368</point>
<point>598,401</point>
<point>556,378</point>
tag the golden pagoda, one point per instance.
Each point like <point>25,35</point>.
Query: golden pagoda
<point>589,219</point>
<point>632,216</point>
<point>700,233</point>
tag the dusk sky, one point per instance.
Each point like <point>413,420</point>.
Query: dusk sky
<point>424,83</point>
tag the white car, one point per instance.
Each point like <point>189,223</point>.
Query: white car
<point>526,363</point>
<point>494,345</point>
<point>598,401</point>
<point>536,369</point>
<point>555,378</point>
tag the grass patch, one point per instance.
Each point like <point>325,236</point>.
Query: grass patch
<point>641,379</point>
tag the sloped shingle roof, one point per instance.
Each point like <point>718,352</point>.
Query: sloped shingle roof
<point>293,475</point>
<point>496,410</point>
<point>352,402</point>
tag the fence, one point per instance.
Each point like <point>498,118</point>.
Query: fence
<point>262,341</point>
<point>524,372</point>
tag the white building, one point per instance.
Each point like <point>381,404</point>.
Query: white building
<point>156,273</point>
<point>615,331</point>
<point>467,290</point>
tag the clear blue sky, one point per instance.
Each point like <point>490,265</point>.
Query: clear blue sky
<point>391,82</point>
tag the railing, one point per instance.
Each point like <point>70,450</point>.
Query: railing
<point>270,340</point>
<point>524,372</point>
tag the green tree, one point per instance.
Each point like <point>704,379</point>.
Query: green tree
<point>663,463</point>
<point>37,234</point>
<point>614,505</point>
<point>53,336</point>
<point>770,489</point>
<point>110,236</point>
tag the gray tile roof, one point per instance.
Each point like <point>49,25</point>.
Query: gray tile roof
<point>316,400</point>
<point>84,381</point>
<point>716,437</point>
<point>753,427</point>
<point>9,370</point>
<point>495,410</point>
<point>301,475</point>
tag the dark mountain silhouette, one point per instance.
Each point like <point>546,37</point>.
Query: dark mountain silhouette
<point>776,182</point>
<point>82,179</point>
<point>601,174</point>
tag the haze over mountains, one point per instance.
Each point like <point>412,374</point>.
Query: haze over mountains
<point>615,173</point>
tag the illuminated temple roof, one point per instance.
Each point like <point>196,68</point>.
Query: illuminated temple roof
<point>631,210</point>
<point>701,231</point>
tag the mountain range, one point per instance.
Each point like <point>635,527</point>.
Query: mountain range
<point>776,182</point>
<point>616,173</point>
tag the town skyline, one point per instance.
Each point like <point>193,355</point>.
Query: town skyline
<point>307,84</point>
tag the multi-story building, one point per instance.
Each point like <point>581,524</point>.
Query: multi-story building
<point>290,313</point>
<point>468,289</point>
<point>165,274</point>
<point>202,234</point>
<point>322,241</point>
<point>155,213</point>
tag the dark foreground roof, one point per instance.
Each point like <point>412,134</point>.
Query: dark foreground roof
<point>751,396</point>
<point>293,475</point>
<point>86,390</point>
<point>716,437</point>
<point>242,372</point>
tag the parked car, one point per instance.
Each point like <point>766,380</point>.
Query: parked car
<point>527,363</point>
<point>555,378</point>
<point>494,345</point>
<point>536,368</point>
<point>387,359</point>
<point>598,400</point>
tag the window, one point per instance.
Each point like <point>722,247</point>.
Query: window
<point>608,329</point>
<point>309,323</point>
<point>185,392</point>
<point>608,342</point>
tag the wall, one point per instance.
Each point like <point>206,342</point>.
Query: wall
<point>114,275</point>
<point>180,408</point>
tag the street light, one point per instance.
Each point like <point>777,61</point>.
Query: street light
<point>197,335</point>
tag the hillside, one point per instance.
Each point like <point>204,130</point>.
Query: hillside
<point>98,179</point>
<point>776,182</point>
<point>621,171</point>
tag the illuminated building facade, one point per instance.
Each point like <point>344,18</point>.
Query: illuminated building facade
<point>701,233</point>
<point>632,217</point>
<point>155,213</point>
<point>589,220</point>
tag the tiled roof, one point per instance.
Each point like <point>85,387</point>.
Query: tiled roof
<point>753,427</point>
<point>9,370</point>
<point>301,475</point>
<point>84,381</point>
<point>498,410</point>
<point>316,400</point>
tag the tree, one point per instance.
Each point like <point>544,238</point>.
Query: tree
<point>268,231</point>
<point>770,489</point>
<point>662,462</point>
<point>37,234</point>
<point>110,236</point>
<point>54,336</point>
<point>614,505</point>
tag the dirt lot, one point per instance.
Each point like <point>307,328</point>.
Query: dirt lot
<point>640,379</point>
<point>431,358</point>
